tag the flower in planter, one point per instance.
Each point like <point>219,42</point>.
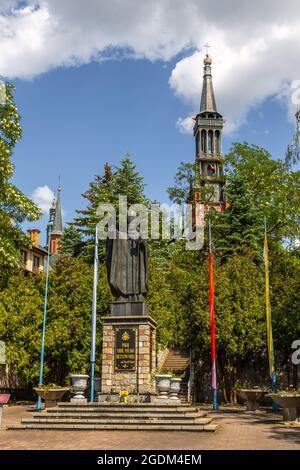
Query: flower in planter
<point>123,393</point>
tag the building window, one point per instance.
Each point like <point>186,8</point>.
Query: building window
<point>36,263</point>
<point>218,142</point>
<point>203,141</point>
<point>210,141</point>
<point>23,258</point>
<point>211,169</point>
<point>197,144</point>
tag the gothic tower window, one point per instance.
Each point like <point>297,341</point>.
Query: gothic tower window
<point>203,141</point>
<point>218,142</point>
<point>211,170</point>
<point>210,141</point>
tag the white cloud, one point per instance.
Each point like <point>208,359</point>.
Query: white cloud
<point>185,125</point>
<point>43,196</point>
<point>255,45</point>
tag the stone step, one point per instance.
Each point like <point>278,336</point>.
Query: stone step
<point>79,420</point>
<point>184,363</point>
<point>183,366</point>
<point>80,415</point>
<point>118,407</point>
<point>120,427</point>
<point>121,412</point>
<point>176,360</point>
<point>58,411</point>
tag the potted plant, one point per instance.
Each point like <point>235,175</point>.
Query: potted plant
<point>51,394</point>
<point>251,394</point>
<point>79,385</point>
<point>163,383</point>
<point>289,401</point>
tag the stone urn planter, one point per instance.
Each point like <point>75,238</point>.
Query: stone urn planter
<point>251,396</point>
<point>290,404</point>
<point>51,395</point>
<point>79,386</point>
<point>175,388</point>
<point>163,383</point>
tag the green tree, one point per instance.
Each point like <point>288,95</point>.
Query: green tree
<point>21,311</point>
<point>274,187</point>
<point>68,334</point>
<point>240,320</point>
<point>68,326</point>
<point>240,227</point>
<point>15,207</point>
<point>72,243</point>
<point>122,180</point>
<point>285,300</point>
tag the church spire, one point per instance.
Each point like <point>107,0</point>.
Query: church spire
<point>57,226</point>
<point>54,227</point>
<point>208,138</point>
<point>208,102</point>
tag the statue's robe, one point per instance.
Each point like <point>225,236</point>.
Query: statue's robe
<point>127,268</point>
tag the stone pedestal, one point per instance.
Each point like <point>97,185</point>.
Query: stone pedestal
<point>128,355</point>
<point>78,400</point>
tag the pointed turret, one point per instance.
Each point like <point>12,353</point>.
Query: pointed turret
<point>208,102</point>
<point>51,220</point>
<point>57,226</point>
<point>54,227</point>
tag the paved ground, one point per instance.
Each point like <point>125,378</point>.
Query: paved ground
<point>237,430</point>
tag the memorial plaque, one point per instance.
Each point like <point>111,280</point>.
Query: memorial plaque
<point>125,349</point>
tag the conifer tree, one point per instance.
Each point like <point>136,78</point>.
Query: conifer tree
<point>72,243</point>
<point>122,180</point>
<point>239,229</point>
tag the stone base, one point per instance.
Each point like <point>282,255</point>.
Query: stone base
<point>110,398</point>
<point>289,414</point>
<point>128,309</point>
<point>137,378</point>
<point>78,400</point>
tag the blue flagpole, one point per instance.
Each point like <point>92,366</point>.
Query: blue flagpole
<point>42,354</point>
<point>94,310</point>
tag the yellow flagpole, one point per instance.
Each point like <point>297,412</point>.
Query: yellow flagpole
<point>268,313</point>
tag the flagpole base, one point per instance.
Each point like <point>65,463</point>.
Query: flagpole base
<point>215,401</point>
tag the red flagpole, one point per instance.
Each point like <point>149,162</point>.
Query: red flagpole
<point>212,323</point>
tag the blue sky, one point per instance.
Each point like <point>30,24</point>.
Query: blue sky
<point>95,79</point>
<point>76,119</point>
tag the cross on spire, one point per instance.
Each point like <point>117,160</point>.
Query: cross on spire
<point>207,46</point>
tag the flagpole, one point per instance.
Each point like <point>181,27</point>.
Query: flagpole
<point>269,318</point>
<point>212,324</point>
<point>42,353</point>
<point>94,316</point>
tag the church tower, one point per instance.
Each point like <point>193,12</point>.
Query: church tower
<point>208,137</point>
<point>54,227</point>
